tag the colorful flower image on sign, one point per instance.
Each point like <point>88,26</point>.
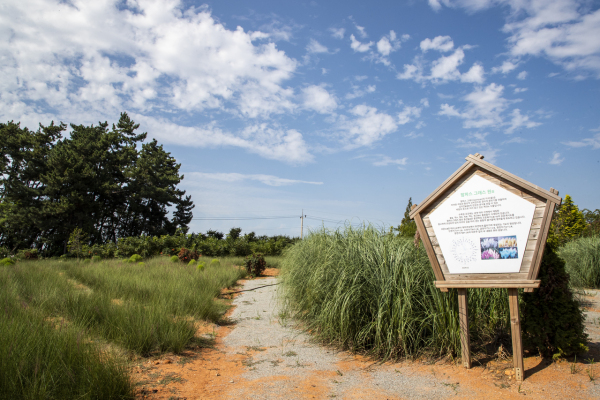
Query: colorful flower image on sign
<point>498,248</point>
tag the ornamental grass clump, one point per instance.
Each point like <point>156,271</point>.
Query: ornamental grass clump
<point>582,258</point>
<point>368,291</point>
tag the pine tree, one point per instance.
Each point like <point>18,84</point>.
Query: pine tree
<point>568,223</point>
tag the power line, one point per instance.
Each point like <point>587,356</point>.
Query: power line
<point>238,218</point>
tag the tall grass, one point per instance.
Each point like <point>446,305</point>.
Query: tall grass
<point>60,320</point>
<point>41,361</point>
<point>369,291</point>
<point>582,258</point>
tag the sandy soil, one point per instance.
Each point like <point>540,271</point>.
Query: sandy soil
<point>259,355</point>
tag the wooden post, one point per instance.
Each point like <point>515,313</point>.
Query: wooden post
<point>302,224</point>
<point>515,328</point>
<point>465,342</point>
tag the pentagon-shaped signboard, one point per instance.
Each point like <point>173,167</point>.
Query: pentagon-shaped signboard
<point>485,227</point>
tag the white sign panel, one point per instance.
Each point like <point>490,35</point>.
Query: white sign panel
<point>482,228</point>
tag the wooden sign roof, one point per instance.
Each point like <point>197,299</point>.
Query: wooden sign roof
<point>485,227</point>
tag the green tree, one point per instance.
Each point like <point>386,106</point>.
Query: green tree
<point>567,223</point>
<point>592,218</point>
<point>407,227</point>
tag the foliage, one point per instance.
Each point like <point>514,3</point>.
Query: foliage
<point>582,258</point>
<point>96,258</point>
<point>215,262</point>
<point>192,263</point>
<point>567,223</point>
<point>174,259</point>
<point>7,261</point>
<point>365,290</point>
<point>105,182</point>
<point>255,264</point>
<point>77,240</point>
<point>186,255</point>
<point>592,218</point>
<point>136,258</point>
<point>407,227</point>
<point>553,323</point>
<point>200,266</point>
<point>27,254</point>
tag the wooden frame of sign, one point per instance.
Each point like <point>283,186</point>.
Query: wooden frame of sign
<point>486,228</point>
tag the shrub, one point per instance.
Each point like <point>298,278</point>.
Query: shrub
<point>192,263</point>
<point>553,323</point>
<point>255,264</point>
<point>28,254</point>
<point>141,263</point>
<point>215,262</point>
<point>7,261</point>
<point>582,258</point>
<point>134,259</point>
<point>186,255</point>
<point>174,259</point>
<point>200,266</point>
<point>4,251</point>
<point>96,258</point>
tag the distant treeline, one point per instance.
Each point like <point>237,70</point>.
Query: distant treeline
<point>211,244</point>
<point>103,183</point>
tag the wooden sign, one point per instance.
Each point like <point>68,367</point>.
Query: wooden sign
<point>486,228</point>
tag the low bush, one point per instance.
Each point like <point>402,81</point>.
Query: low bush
<point>174,259</point>
<point>582,258</point>
<point>553,322</point>
<point>136,258</point>
<point>192,263</point>
<point>255,264</point>
<point>7,261</point>
<point>186,255</point>
<point>96,258</point>
<point>200,266</point>
<point>215,262</point>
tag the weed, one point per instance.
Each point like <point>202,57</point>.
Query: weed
<point>574,369</point>
<point>339,373</point>
<point>290,354</point>
<point>590,370</point>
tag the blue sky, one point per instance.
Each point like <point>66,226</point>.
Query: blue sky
<point>342,108</point>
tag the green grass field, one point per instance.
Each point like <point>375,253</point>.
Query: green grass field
<point>67,326</point>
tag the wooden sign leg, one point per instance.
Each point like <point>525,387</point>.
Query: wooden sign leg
<point>515,328</point>
<point>465,342</point>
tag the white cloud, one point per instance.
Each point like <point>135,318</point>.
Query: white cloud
<point>446,68</point>
<point>565,31</point>
<point>388,44</point>
<point>520,121</point>
<point>119,59</point>
<point>358,46</point>
<point>556,160</point>
<point>269,142</point>
<point>337,33</point>
<point>358,92</point>
<point>505,68</point>
<point>485,109</point>
<point>316,47</point>
<point>593,142</point>
<point>474,75</point>
<point>520,90</point>
<point>367,127</point>
<point>269,180</point>
<point>414,135</point>
<point>439,43</point>
<point>384,161</point>
<point>522,75</point>
<point>407,114</point>
<point>361,30</point>
<point>317,98</point>
<point>425,102</point>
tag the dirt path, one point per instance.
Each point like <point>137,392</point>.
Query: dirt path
<point>261,356</point>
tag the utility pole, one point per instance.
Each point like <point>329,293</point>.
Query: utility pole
<point>302,224</point>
